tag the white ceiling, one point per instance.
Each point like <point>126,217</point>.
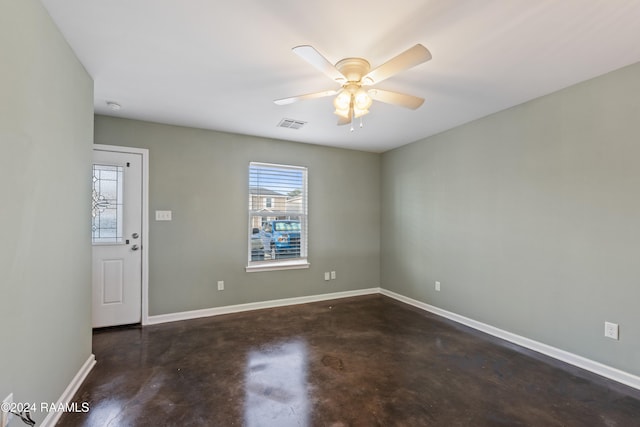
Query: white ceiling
<point>217,64</point>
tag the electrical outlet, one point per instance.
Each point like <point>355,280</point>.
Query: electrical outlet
<point>611,330</point>
<point>5,416</point>
<point>221,285</point>
<point>333,275</point>
<point>327,275</point>
<point>437,286</point>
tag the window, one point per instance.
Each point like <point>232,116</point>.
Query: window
<point>106,204</point>
<point>277,217</point>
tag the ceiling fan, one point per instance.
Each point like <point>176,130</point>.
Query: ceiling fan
<point>354,74</point>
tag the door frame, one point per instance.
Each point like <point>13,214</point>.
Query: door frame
<point>145,219</point>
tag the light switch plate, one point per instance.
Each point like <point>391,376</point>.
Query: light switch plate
<point>163,215</point>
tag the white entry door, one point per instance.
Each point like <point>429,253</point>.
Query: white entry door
<point>116,238</point>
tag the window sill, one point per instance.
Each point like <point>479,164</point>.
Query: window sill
<point>281,265</point>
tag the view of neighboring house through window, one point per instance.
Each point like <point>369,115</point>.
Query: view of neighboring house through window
<point>277,214</point>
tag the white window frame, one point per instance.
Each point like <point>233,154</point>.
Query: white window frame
<point>283,264</point>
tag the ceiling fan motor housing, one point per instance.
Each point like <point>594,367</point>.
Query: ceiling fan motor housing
<point>353,68</point>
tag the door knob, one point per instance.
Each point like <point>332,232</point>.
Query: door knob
<point>134,248</point>
<point>135,235</point>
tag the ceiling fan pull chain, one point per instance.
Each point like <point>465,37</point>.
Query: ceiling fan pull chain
<point>351,114</point>
<point>361,125</point>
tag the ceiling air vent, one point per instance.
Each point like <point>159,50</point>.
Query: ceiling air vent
<point>291,124</point>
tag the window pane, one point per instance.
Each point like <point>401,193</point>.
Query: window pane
<point>277,212</point>
<point>106,204</point>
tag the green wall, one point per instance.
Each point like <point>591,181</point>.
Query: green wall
<point>46,125</point>
<point>201,176</point>
<point>529,218</point>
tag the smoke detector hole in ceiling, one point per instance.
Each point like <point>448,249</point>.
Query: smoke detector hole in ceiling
<point>113,106</point>
<point>291,123</point>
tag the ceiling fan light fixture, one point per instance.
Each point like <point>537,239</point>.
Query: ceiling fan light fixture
<point>362,100</point>
<point>352,100</point>
<point>342,101</point>
<point>342,113</point>
<point>357,112</point>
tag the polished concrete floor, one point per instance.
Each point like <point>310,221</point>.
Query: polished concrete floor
<point>365,361</point>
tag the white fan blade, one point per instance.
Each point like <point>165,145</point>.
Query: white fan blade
<point>395,98</point>
<point>407,59</point>
<point>315,58</point>
<point>291,100</point>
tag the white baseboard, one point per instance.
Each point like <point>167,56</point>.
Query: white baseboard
<point>562,355</point>
<point>216,311</point>
<point>52,417</point>
<point>573,359</point>
<point>570,358</point>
